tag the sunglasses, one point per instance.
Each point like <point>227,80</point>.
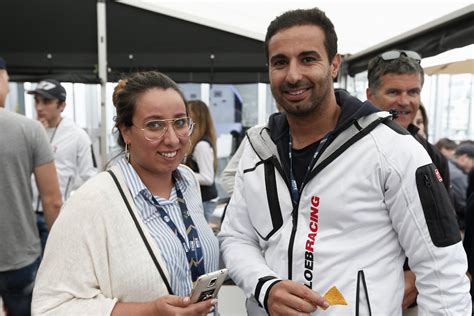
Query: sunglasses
<point>395,54</point>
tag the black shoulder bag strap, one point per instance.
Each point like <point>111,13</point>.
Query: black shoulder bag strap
<point>148,247</point>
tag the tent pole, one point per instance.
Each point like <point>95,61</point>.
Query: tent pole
<point>102,66</point>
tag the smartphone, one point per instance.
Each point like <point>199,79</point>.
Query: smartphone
<point>207,285</point>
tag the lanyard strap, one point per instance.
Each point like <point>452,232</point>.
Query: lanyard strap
<point>295,192</point>
<point>54,131</point>
<point>193,250</point>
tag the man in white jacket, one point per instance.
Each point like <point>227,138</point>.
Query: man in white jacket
<point>71,145</point>
<point>333,193</point>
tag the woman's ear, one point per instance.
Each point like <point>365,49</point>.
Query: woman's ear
<point>125,132</point>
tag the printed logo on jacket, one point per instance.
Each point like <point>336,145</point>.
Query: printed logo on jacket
<point>309,247</point>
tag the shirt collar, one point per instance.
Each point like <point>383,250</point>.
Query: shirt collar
<point>136,185</point>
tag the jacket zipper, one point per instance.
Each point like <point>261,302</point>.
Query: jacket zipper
<point>292,241</point>
<point>433,204</point>
<point>293,229</point>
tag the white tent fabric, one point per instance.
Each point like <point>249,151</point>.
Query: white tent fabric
<point>458,67</point>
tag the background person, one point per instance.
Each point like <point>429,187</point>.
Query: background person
<point>24,150</point>
<point>421,121</point>
<point>468,241</point>
<point>203,154</point>
<point>318,203</point>
<point>447,147</point>
<point>459,167</point>
<point>71,145</point>
<point>133,244</point>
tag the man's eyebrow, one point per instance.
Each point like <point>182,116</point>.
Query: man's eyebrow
<point>302,54</point>
<point>309,52</point>
<point>278,56</point>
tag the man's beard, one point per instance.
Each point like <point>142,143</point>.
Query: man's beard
<point>305,107</point>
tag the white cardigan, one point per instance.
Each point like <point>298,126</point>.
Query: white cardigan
<point>110,263</point>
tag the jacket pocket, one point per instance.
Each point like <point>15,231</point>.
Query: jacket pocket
<point>264,207</point>
<point>362,296</point>
<point>437,208</point>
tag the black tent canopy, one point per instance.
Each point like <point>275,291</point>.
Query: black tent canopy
<point>451,31</point>
<point>58,39</point>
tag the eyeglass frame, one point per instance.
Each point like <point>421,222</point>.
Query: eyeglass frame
<point>190,127</point>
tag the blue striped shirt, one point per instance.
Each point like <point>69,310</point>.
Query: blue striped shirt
<point>171,249</point>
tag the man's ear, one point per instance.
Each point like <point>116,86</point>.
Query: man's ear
<point>61,105</point>
<point>335,64</point>
<point>370,94</point>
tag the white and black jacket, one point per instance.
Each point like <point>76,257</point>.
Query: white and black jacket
<point>372,198</point>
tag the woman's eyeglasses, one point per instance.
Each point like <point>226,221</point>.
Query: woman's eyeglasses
<point>153,130</point>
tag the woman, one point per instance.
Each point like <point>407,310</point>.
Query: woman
<point>203,154</point>
<point>421,121</point>
<point>118,246</point>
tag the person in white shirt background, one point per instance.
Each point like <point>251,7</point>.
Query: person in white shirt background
<point>203,154</point>
<point>70,143</point>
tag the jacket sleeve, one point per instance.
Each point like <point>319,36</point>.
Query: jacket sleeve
<point>240,247</point>
<point>422,215</point>
<point>228,174</point>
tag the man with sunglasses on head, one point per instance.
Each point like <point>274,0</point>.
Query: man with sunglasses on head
<point>395,82</point>
<point>71,145</point>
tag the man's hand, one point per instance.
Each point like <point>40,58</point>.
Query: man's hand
<point>175,305</point>
<point>411,292</point>
<point>290,298</point>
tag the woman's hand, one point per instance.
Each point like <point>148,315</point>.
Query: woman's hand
<point>177,305</point>
<point>166,305</point>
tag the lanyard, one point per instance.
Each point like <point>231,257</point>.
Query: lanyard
<point>295,193</point>
<point>193,250</point>
<point>54,131</point>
